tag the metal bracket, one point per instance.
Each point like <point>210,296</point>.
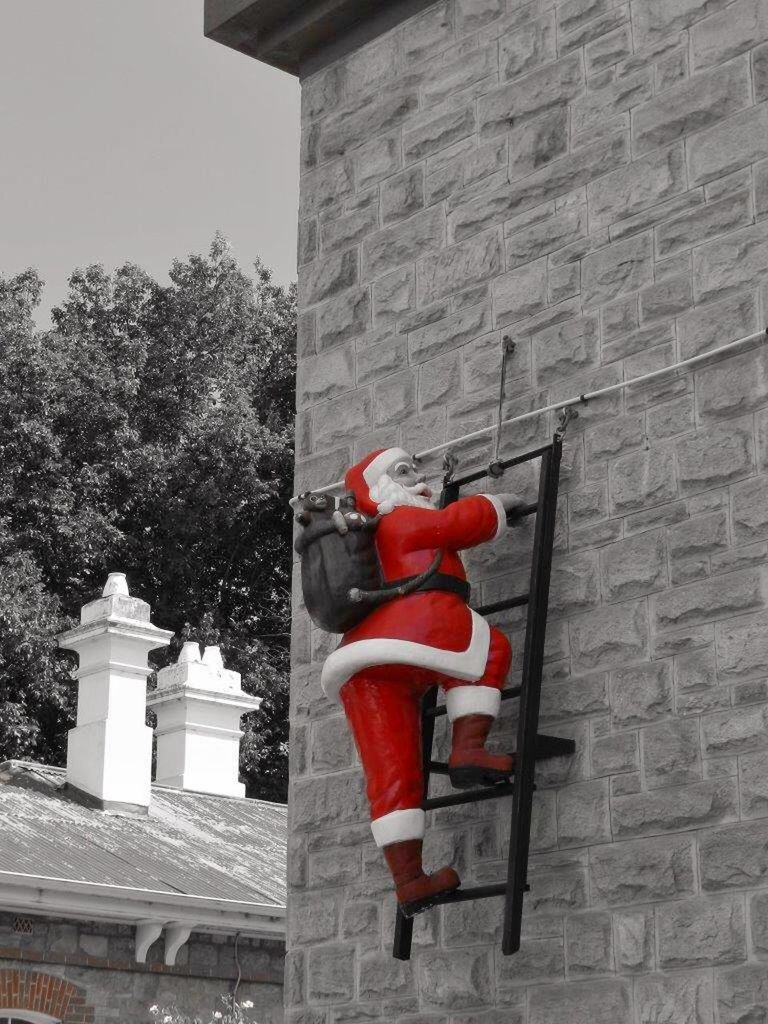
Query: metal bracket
<point>564,417</point>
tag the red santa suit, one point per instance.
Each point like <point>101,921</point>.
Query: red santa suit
<point>383,666</point>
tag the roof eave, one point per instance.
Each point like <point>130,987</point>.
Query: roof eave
<point>99,901</point>
<point>301,36</point>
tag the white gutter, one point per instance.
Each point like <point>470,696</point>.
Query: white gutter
<point>101,900</point>
<point>566,403</point>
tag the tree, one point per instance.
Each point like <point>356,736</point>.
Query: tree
<point>150,431</point>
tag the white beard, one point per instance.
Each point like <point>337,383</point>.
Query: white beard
<point>388,494</point>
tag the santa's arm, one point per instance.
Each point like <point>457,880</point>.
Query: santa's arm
<point>463,524</point>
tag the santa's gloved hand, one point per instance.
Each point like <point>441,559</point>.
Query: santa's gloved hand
<point>514,506</point>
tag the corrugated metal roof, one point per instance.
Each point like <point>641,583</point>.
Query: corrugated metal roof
<point>188,843</point>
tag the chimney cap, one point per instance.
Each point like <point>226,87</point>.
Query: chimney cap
<point>116,584</point>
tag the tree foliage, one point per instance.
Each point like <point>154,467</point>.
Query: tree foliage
<point>150,432</point>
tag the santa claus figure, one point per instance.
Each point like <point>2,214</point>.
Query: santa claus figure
<point>384,665</point>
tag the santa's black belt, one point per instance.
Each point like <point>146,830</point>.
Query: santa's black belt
<point>437,581</point>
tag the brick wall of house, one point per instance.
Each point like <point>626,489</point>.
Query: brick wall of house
<point>589,177</point>
<point>111,988</point>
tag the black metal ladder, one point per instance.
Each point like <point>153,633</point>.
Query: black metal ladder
<point>530,745</point>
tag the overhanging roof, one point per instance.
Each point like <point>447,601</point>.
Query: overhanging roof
<point>301,36</point>
<point>216,862</point>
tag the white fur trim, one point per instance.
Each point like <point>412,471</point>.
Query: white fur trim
<point>501,514</point>
<point>472,700</point>
<point>374,469</point>
<point>469,664</point>
<point>398,826</point>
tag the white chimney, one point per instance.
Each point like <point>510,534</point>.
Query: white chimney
<point>199,704</point>
<point>109,752</point>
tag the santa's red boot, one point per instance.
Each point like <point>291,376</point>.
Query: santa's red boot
<point>470,764</point>
<point>415,890</point>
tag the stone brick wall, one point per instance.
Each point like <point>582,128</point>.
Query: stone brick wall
<point>105,985</point>
<point>589,177</point>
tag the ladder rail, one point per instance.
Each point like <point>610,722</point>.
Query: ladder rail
<point>529,744</point>
<point>530,694</point>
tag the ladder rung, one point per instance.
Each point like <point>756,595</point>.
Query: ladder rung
<point>502,606</point>
<point>475,892</point>
<point>470,796</point>
<point>508,694</point>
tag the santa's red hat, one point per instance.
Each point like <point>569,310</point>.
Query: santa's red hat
<point>361,477</point>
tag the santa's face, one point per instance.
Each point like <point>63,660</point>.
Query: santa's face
<point>402,483</point>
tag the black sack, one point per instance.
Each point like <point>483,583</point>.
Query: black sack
<point>338,555</point>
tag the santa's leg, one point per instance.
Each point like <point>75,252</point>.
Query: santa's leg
<point>383,712</point>
<point>472,709</point>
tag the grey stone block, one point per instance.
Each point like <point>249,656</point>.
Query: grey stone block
<point>333,422</point>
<point>682,996</point>
<point>742,993</point>
<point>313,918</point>
<point>656,19</point>
<point>467,263</point>
<point>599,104</point>
<point>734,261</point>
<point>737,142</point>
<point>608,49</point>
<point>742,646</point>
<point>671,753</point>
<point>394,398</point>
<point>537,960</point>
<point>435,132</point>
<point>701,535</point>
<point>729,33</point>
<point>736,731</point>
<point>402,243</point>
<point>428,33</point>
<point>350,128</point>
<point>735,858</point>
<point>566,348</point>
<point>714,456</point>
<point>448,333</point>
<point>674,810</point>
<point>612,635</point>
<point>709,599</point>
<point>325,187</point>
<point>593,1002</point>
<point>643,870</point>
<point>641,479</point>
<point>327,277</point>
<point>615,754</point>
<point>330,973</point>
<point>691,106</point>
<point>537,143</point>
<point>753,784</point>
<point>589,943</point>
<point>454,980</point>
<point>527,46</point>
<point>344,317</point>
<point>616,269</point>
<point>641,694</point>
<point>594,31</point>
<point>701,932</point>
<point>402,195</point>
<point>643,183</point>
<point>583,814</point>
<point>325,376</point>
<point>542,237</point>
<point>381,976</point>
<point>734,387</point>
<point>376,160</point>
<point>474,14</point>
<point>458,69</point>
<point>535,94</point>
<point>520,293</point>
<point>704,222</point>
<point>635,940</point>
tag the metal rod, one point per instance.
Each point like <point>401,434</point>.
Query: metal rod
<point>470,796</point>
<point>576,400</point>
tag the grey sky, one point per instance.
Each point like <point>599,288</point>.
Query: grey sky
<point>126,135</point>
